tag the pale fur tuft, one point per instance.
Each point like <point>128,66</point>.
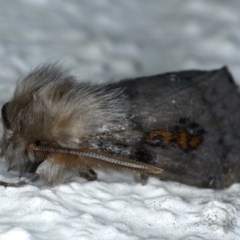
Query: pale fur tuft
<point>51,106</point>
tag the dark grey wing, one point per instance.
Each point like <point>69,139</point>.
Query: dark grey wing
<point>190,124</point>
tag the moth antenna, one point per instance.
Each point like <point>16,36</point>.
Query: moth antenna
<point>88,158</point>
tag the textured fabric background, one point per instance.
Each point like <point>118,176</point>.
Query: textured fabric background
<point>106,40</point>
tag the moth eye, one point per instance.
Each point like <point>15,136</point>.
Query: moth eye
<point>5,120</point>
<point>37,142</point>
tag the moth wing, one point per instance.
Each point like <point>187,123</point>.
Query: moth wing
<point>202,103</point>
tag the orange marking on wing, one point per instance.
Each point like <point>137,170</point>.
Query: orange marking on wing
<point>166,136</point>
<point>195,141</point>
<point>178,135</point>
<point>182,138</point>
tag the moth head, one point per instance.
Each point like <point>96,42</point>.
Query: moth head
<point>12,144</point>
<point>7,132</point>
<point>51,107</point>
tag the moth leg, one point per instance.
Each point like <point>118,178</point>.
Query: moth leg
<point>52,172</point>
<point>17,184</point>
<point>6,184</point>
<point>22,182</point>
<point>90,175</point>
<point>144,178</point>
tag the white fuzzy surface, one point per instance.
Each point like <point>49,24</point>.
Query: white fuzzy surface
<point>107,40</point>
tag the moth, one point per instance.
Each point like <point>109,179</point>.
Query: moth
<point>180,126</point>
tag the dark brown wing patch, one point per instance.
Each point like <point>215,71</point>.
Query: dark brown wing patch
<point>187,136</point>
